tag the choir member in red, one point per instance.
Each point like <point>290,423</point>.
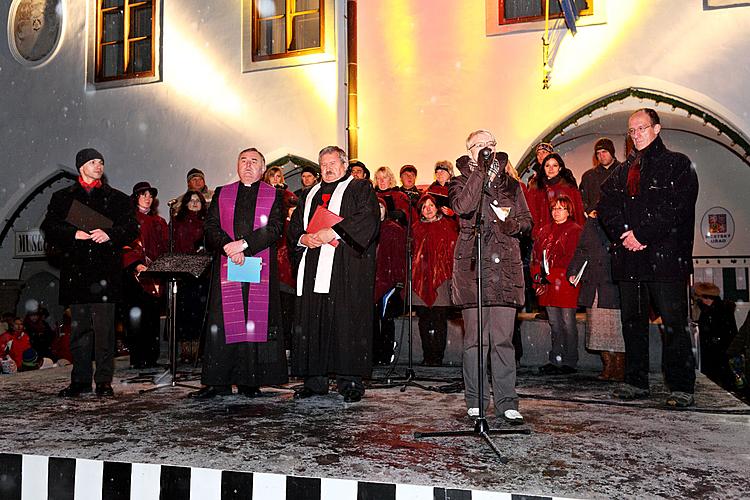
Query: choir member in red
<point>432,267</point>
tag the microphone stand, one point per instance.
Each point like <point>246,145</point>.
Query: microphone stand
<point>481,426</point>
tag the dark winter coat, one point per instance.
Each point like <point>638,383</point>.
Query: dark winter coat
<point>558,242</point>
<point>501,254</point>
<point>341,343</point>
<point>593,247</point>
<point>591,184</point>
<point>661,215</point>
<point>90,272</point>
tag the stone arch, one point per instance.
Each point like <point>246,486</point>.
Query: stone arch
<point>694,119</point>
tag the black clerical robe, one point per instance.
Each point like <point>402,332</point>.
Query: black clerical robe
<point>244,363</point>
<point>333,331</point>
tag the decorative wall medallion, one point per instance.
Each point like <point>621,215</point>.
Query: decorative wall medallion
<point>34,29</point>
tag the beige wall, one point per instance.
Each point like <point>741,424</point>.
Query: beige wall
<point>429,74</point>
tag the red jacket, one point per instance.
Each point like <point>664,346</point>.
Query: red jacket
<point>398,200</point>
<point>153,237</point>
<point>187,233</point>
<point>390,258</point>
<point>432,256</point>
<point>539,199</point>
<point>21,342</point>
<point>560,242</point>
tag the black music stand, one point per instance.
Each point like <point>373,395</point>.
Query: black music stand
<point>481,427</point>
<point>173,268</point>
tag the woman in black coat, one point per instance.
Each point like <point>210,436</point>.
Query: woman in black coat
<point>601,298</point>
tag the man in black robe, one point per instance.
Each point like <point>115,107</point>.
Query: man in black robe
<point>335,282</point>
<point>244,220</point>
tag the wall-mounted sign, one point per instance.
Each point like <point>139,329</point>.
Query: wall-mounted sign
<point>34,29</point>
<point>29,244</point>
<point>717,227</point>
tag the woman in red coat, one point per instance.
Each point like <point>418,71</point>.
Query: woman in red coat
<point>143,296</point>
<point>557,180</point>
<point>432,267</point>
<point>553,250</point>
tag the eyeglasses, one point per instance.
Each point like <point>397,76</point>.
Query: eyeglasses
<point>481,145</point>
<point>640,130</point>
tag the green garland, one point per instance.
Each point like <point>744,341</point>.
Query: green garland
<point>657,97</point>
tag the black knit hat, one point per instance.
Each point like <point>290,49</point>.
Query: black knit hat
<point>194,172</point>
<point>605,144</point>
<point>310,170</point>
<point>86,155</point>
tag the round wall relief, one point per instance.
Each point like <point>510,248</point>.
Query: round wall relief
<point>34,29</point>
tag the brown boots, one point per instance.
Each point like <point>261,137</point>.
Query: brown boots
<point>614,366</point>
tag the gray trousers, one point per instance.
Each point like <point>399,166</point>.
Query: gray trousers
<point>497,340</point>
<point>92,333</point>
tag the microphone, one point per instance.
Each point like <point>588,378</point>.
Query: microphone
<point>172,202</point>
<point>486,155</point>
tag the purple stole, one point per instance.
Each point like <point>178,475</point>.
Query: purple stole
<point>237,328</point>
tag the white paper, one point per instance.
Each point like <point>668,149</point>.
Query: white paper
<point>577,279</point>
<point>501,212</point>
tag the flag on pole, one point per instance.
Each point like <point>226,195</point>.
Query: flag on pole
<point>569,12</point>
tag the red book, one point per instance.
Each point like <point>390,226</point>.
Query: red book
<point>321,219</point>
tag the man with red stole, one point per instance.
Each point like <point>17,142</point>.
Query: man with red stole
<point>244,344</point>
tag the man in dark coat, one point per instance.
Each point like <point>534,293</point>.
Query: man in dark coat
<point>91,269</point>
<point>647,207</point>
<point>335,280</point>
<point>506,217</point>
<point>244,344</point>
<point>592,179</point>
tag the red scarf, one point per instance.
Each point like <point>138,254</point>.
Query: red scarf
<point>634,176</point>
<point>89,186</point>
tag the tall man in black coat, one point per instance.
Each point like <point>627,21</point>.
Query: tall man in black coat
<point>647,207</point>
<point>335,284</point>
<point>244,344</point>
<point>91,269</point>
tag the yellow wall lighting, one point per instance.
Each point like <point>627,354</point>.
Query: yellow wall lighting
<point>578,56</point>
<point>194,74</point>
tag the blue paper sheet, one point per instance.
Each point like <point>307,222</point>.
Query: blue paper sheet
<point>249,272</point>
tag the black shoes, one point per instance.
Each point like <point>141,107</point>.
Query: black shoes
<point>352,395</point>
<point>75,390</point>
<point>249,391</point>
<point>304,393</point>
<point>210,391</point>
<point>104,391</point>
<point>628,392</point>
<point>552,369</point>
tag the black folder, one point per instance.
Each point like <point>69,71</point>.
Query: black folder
<point>86,218</point>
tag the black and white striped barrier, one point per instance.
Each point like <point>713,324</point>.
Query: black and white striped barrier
<point>33,477</point>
